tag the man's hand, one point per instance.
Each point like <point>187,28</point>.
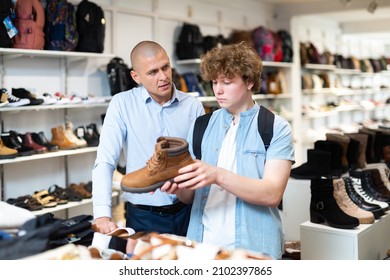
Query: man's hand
<point>104,225</point>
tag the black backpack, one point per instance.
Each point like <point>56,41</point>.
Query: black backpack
<point>265,124</point>
<point>119,76</point>
<point>91,27</point>
<point>6,10</point>
<point>190,42</point>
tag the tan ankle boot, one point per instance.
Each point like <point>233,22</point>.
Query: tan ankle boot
<point>59,138</point>
<point>348,206</point>
<point>169,156</point>
<point>7,153</point>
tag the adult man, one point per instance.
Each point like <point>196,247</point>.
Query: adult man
<point>133,122</point>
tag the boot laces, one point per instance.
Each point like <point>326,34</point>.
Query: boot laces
<point>345,199</point>
<point>155,162</point>
<point>13,98</point>
<point>362,191</point>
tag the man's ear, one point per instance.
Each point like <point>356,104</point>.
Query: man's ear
<point>135,76</point>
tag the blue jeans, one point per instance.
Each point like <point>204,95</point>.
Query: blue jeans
<point>151,220</point>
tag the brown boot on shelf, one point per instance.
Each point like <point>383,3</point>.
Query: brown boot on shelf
<point>29,142</point>
<point>59,138</point>
<point>169,156</point>
<point>7,153</point>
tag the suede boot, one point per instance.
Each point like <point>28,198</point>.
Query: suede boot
<point>370,154</point>
<point>348,206</point>
<point>6,152</point>
<point>363,139</point>
<point>344,142</point>
<point>169,156</point>
<point>317,166</point>
<point>324,208</point>
<point>336,151</point>
<point>360,201</point>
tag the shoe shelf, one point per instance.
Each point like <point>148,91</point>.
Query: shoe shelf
<point>366,242</point>
<point>54,107</point>
<point>71,56</point>
<point>60,153</point>
<point>68,205</point>
<point>211,101</point>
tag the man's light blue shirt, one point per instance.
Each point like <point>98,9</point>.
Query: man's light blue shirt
<point>133,122</point>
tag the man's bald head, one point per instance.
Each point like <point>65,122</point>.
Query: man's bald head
<point>144,49</point>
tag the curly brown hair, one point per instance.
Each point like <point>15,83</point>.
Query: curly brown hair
<point>231,60</point>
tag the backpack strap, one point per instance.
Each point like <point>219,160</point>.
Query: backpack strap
<point>199,129</point>
<point>265,124</point>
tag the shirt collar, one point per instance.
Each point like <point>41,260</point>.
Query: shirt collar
<point>175,96</point>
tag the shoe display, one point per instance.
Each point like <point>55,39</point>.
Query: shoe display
<point>69,131</point>
<point>375,209</point>
<point>92,135</point>
<point>318,165</point>
<point>12,140</point>
<point>25,94</point>
<point>48,99</point>
<point>29,142</point>
<point>3,97</point>
<point>169,156</point>
<point>14,101</point>
<point>60,139</point>
<point>6,152</point>
<point>348,206</point>
<point>358,186</point>
<point>41,139</point>
<point>324,208</point>
<point>369,186</point>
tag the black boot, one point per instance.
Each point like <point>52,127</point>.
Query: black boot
<point>317,166</point>
<point>336,152</point>
<point>369,186</point>
<point>324,208</point>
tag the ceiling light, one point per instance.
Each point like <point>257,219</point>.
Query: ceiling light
<point>372,7</point>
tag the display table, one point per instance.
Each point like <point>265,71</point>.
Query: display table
<point>366,242</point>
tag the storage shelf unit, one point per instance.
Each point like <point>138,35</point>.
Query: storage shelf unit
<point>83,64</point>
<point>366,242</point>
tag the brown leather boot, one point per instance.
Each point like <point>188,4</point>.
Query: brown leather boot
<point>29,142</point>
<point>169,156</point>
<point>6,152</point>
<point>344,141</point>
<point>59,138</point>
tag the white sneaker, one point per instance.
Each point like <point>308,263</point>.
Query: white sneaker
<point>48,99</point>
<point>359,189</point>
<point>14,101</point>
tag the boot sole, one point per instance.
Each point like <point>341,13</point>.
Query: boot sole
<point>145,189</point>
